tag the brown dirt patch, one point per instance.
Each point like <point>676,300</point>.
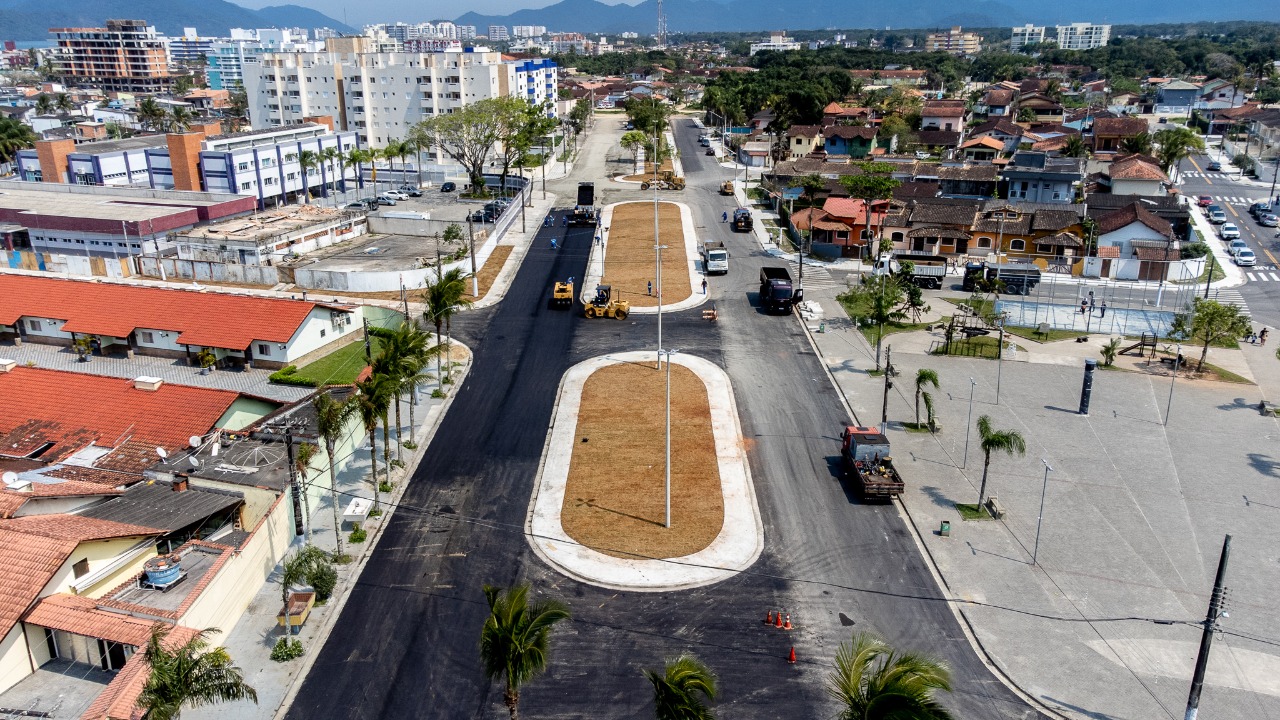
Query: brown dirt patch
<point>614,499</point>
<point>489,271</point>
<point>667,166</point>
<point>629,259</point>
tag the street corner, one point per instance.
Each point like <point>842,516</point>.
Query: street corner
<point>602,512</point>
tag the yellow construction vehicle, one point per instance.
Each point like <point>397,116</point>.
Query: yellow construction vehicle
<point>726,187</point>
<point>603,304</point>
<point>562,294</point>
<point>666,180</point>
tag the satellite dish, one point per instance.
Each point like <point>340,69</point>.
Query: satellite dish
<point>10,477</point>
<point>195,461</point>
<point>164,454</point>
<point>194,440</point>
<point>217,447</point>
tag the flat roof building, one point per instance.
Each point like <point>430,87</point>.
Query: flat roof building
<point>125,56</point>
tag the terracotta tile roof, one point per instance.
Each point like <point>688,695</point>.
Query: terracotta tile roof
<point>849,131</point>
<point>1109,251</point>
<point>985,141</point>
<point>853,208</point>
<point>75,528</point>
<point>1000,125</point>
<point>997,97</point>
<point>1160,254</point>
<point>942,108</point>
<point>1054,219</point>
<point>1120,126</point>
<point>805,131</point>
<point>73,410</point>
<point>1130,214</point>
<point>803,219</point>
<point>27,563</point>
<point>1136,167</point>
<point>1064,239</point>
<point>97,476</point>
<point>12,500</point>
<point>119,701</point>
<point>938,232</point>
<point>201,318</point>
<point>81,616</point>
<point>944,213</point>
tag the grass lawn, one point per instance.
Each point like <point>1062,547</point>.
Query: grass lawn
<point>1218,274</point>
<point>981,346</point>
<point>972,512</point>
<point>339,367</point>
<point>613,499</point>
<point>1226,375</point>
<point>1032,334</point>
<point>871,331</point>
<point>629,261</point>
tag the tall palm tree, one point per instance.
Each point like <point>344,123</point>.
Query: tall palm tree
<point>331,420</point>
<point>404,357</point>
<point>44,104</point>
<point>372,156</point>
<point>444,298</point>
<point>303,455</point>
<point>682,690</point>
<point>358,157</point>
<point>872,681</point>
<point>514,639</point>
<point>341,157</point>
<point>374,397</point>
<point>63,103</point>
<point>180,119</point>
<point>307,159</point>
<point>150,114</point>
<point>924,378</point>
<point>1074,148</point>
<point>1177,143</point>
<point>15,135</point>
<point>328,156</point>
<point>293,571</point>
<point>188,674</point>
<point>1140,144</point>
<point>992,440</point>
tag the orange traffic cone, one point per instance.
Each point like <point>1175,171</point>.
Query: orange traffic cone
<point>778,622</point>
<point>792,658</point>
<point>768,619</point>
<point>787,624</point>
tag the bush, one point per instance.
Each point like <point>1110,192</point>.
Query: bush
<point>358,535</point>
<point>286,376</point>
<point>286,650</point>
<point>323,579</point>
<point>385,487</point>
<point>410,445</point>
<point>1194,250</point>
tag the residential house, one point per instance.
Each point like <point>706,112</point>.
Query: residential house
<point>1176,96</point>
<point>1003,129</point>
<point>1137,175</point>
<point>1110,132</point>
<point>939,142</point>
<point>836,114</point>
<point>942,115</point>
<point>1048,234</point>
<point>1169,208</point>
<point>1141,244</point>
<point>998,102</point>
<point>969,181</point>
<point>803,139</point>
<point>1037,177</point>
<point>754,154</point>
<point>1222,120</point>
<point>981,150</point>
<point>933,226</point>
<point>1219,93</point>
<point>844,223</point>
<point>1042,107</point>
<point>849,140</point>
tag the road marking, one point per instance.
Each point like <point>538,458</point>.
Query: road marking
<point>1197,167</point>
<point>1250,276</point>
<point>1273,276</point>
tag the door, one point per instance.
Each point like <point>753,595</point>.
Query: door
<point>113,655</point>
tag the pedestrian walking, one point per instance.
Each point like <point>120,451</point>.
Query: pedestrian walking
<point>1090,302</point>
<point>650,287</point>
<point>1084,306</point>
<point>724,216</point>
<point>1253,338</point>
<point>1104,308</point>
<point>1262,337</point>
<point>704,286</point>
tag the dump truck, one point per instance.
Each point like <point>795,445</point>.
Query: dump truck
<point>1018,278</point>
<point>603,305</point>
<point>864,454</point>
<point>742,220</point>
<point>726,187</point>
<point>715,257</point>
<point>562,294</point>
<point>776,292</point>
<point>585,212</point>
<point>927,271</point>
<point>666,180</point>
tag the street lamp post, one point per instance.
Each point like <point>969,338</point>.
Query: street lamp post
<point>999,358</point>
<point>1047,469</point>
<point>668,353</point>
<point>1169,405</point>
<point>969,425</point>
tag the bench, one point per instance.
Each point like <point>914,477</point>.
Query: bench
<point>357,510</point>
<point>1170,362</point>
<point>995,508</point>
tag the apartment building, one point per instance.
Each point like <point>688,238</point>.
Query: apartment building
<point>191,47</point>
<point>1026,35</point>
<point>954,41</point>
<point>778,41</point>
<point>227,58</point>
<point>499,33</point>
<point>125,56</point>
<point>1083,36</point>
<point>380,96</point>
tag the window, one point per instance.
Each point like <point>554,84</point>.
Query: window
<point>243,165</point>
<point>81,568</point>
<point>321,332</point>
<point>1044,249</point>
<point>244,186</point>
<point>264,349</point>
<point>1017,244</point>
<point>34,325</point>
<point>146,336</point>
<point>984,242</point>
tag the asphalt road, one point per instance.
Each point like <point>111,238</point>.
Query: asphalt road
<point>405,645</point>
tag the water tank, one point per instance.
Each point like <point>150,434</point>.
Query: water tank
<point>162,570</point>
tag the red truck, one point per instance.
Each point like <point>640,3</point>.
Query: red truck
<point>865,457</point>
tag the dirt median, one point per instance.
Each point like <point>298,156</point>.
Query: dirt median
<point>629,263</point>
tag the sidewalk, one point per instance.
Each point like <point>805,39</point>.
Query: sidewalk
<point>249,643</point>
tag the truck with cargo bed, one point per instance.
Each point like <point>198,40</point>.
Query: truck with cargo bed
<point>927,271</point>
<point>742,221</point>
<point>585,212</point>
<point>715,257</point>
<point>1017,278</point>
<point>864,455</point>
<point>776,293</point>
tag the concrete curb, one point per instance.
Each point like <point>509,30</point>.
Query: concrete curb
<point>739,542</point>
<point>599,253</point>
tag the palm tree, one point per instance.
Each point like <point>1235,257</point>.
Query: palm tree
<point>44,104</point>
<point>1074,147</point>
<point>293,571</point>
<point>328,156</point>
<point>358,157</point>
<point>992,440</point>
<point>872,681</point>
<point>404,357</point>
<point>375,396</point>
<point>1140,144</point>
<point>1177,143</point>
<point>307,159</point>
<point>180,119</point>
<point>302,457</point>
<point>514,639</point>
<point>188,674</point>
<point>62,102</point>
<point>150,114</point>
<point>924,378</point>
<point>444,298</point>
<point>341,158</point>
<point>331,420</point>
<point>676,691</point>
<point>14,136</point>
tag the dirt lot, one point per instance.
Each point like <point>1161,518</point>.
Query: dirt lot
<point>666,166</point>
<point>488,272</point>
<point>614,498</point>
<point>629,259</point>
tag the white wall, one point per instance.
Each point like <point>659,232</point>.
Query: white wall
<point>159,341</point>
<point>316,331</point>
<point>1150,188</point>
<point>1121,237</point>
<point>14,663</point>
<point>49,328</point>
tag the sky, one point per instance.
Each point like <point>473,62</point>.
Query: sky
<point>409,11</point>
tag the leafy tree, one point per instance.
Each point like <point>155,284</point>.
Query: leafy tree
<point>992,440</point>
<point>1026,115</point>
<point>649,115</point>
<point>1142,144</point>
<point>307,160</point>
<point>188,674</point>
<point>14,136</point>
<point>467,136</point>
<point>328,157</point>
<point>331,421</point>
<point>872,681</point>
<point>925,378</point>
<point>873,184</point>
<point>1074,147</point>
<point>878,301</point>
<point>183,84</point>
<point>63,103</point>
<point>444,298</point>
<point>515,638</point>
<point>1177,143</point>
<point>633,140</point>
<point>811,185</point>
<point>180,119</point>
<point>682,690</point>
<point>1209,322</point>
<point>913,304</point>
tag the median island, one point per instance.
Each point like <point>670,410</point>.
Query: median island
<point>629,261</point>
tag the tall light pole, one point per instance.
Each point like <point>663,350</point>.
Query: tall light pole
<point>657,242</point>
<point>1047,469</point>
<point>969,425</point>
<point>999,358</point>
<point>1169,406</point>
<point>668,353</point>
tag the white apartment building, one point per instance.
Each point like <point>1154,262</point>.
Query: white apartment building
<point>1083,36</point>
<point>778,40</point>
<point>227,58</point>
<point>380,96</point>
<point>498,32</point>
<point>1026,35</point>
<point>528,31</point>
<point>466,32</point>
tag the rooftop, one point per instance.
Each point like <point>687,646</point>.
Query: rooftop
<point>199,562</point>
<point>40,204</point>
<point>201,319</point>
<point>159,505</point>
<point>105,147</point>
<point>271,223</point>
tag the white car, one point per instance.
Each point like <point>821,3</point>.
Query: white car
<point>1246,258</point>
<point>1229,232</point>
<point>1236,247</point>
<point>396,195</point>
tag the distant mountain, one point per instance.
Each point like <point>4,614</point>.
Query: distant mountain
<point>589,16</point>
<point>30,20</point>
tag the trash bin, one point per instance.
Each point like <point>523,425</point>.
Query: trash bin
<point>945,530</point>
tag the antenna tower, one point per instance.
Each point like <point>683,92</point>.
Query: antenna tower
<point>662,26</point>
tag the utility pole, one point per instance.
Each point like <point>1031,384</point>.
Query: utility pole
<point>1210,625</point>
<point>888,383</point>
<point>368,346</point>
<point>471,236</point>
<point>300,526</point>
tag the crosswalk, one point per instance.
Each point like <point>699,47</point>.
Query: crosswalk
<point>1234,200</point>
<point>1227,296</point>
<point>816,277</point>
<point>1264,274</point>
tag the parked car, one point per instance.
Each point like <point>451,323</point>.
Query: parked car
<point>1163,120</point>
<point>1268,220</point>
<point>385,199</point>
<point>1260,208</point>
<point>1246,258</point>
<point>395,195</point>
<point>1236,247</point>
<point>410,190</point>
<point>711,151</point>
<point>354,206</point>
<point>1204,201</point>
<point>448,186</point>
<point>483,216</point>
<point>1229,232</point>
<point>1217,217</point>
<point>1214,167</point>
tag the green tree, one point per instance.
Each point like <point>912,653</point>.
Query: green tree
<point>303,455</point>
<point>188,674</point>
<point>811,185</point>
<point>1074,148</point>
<point>63,103</point>
<point>1141,144</point>
<point>1026,115</point>
<point>872,681</point>
<point>411,350</point>
<point>150,114</point>
<point>1177,143</point>
<point>444,298</point>
<point>873,184</point>
<point>877,300</point>
<point>14,136</point>
<point>182,85</point>
<point>992,440</point>
<point>308,160</point>
<point>328,157</point>
<point>180,119</point>
<point>1210,322</point>
<point>331,421</point>
<point>467,136</point>
<point>633,140</point>
<point>372,402</point>
<point>357,157</point>
<point>649,115</point>
<point>514,641</point>
<point>925,378</point>
<point>44,104</point>
<point>683,689</point>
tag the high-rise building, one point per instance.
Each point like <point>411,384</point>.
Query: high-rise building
<point>498,32</point>
<point>954,41</point>
<point>1026,35</point>
<point>1083,36</point>
<point>466,32</point>
<point>189,48</point>
<point>528,31</point>
<point>125,56</point>
<point>227,58</point>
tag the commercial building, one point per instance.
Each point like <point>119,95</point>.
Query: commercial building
<point>1026,35</point>
<point>380,96</point>
<point>777,41</point>
<point>125,56</point>
<point>270,237</point>
<point>954,41</point>
<point>1083,36</point>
